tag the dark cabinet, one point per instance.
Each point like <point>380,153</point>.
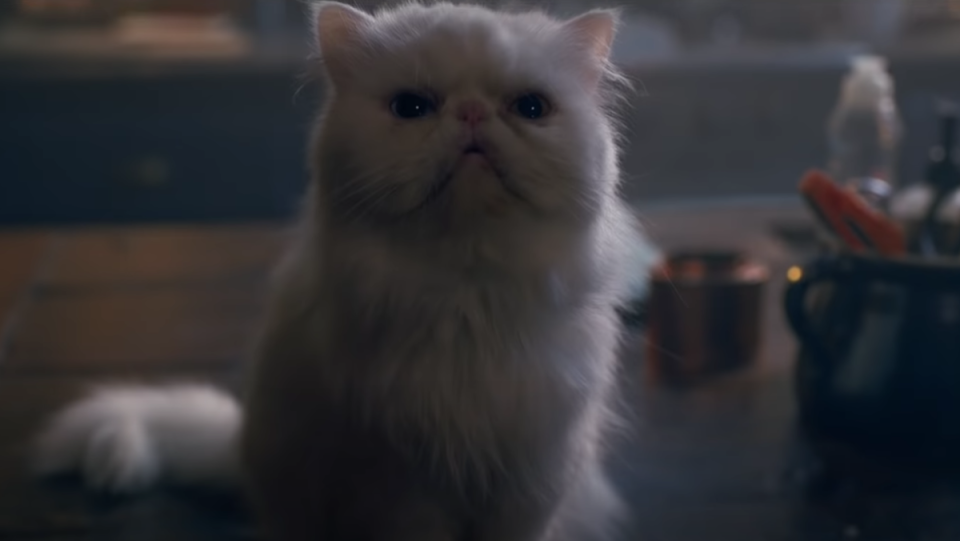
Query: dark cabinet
<point>152,147</point>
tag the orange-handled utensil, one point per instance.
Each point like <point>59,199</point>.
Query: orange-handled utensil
<point>849,217</point>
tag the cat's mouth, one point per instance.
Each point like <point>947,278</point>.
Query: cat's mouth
<point>472,155</point>
<point>477,155</point>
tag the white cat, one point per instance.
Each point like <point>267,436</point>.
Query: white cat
<point>439,356</point>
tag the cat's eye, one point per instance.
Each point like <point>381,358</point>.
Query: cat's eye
<point>531,106</point>
<point>412,105</point>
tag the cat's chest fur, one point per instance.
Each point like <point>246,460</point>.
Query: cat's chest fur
<point>481,347</point>
<point>479,376</point>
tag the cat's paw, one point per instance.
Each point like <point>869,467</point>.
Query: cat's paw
<point>119,458</point>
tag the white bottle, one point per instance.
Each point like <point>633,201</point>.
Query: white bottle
<point>911,205</point>
<point>864,130</point>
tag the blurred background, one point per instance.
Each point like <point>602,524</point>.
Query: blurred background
<point>169,110</point>
<point>150,151</point>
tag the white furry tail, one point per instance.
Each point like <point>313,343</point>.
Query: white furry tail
<point>129,439</point>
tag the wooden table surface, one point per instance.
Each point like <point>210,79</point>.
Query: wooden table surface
<point>721,461</point>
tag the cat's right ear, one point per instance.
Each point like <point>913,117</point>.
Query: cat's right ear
<point>339,30</point>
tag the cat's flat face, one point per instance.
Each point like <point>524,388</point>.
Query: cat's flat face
<point>462,117</point>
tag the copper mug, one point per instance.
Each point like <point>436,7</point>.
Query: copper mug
<point>703,315</point>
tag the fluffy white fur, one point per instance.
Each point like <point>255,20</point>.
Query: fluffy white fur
<point>439,355</point>
<point>125,439</point>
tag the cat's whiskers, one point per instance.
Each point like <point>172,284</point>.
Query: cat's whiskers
<point>347,190</point>
<point>363,207</point>
<point>581,201</point>
<point>365,192</point>
<point>381,198</point>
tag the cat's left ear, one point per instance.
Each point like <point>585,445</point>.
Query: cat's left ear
<point>595,30</point>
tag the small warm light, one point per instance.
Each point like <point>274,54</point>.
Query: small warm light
<point>794,274</point>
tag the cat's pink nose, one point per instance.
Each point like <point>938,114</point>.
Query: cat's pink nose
<point>472,112</point>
